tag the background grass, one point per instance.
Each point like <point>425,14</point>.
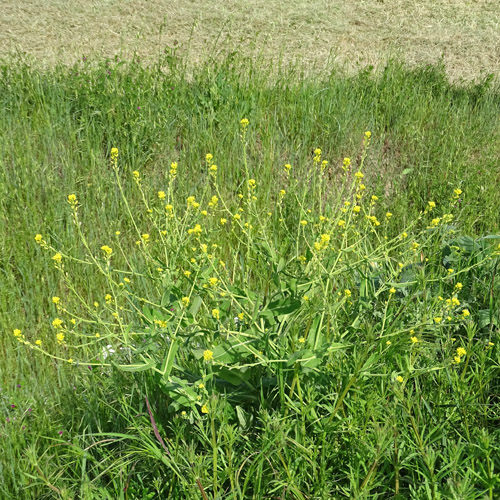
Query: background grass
<point>429,137</point>
<point>462,34</point>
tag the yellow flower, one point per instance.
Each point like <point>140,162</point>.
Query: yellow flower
<point>347,292</point>
<point>204,408</point>
<point>414,340</point>
<point>457,192</point>
<point>373,220</point>
<point>455,301</point>
<point>187,274</point>
<point>185,301</point>
<point>465,313</point>
<point>368,134</point>
<point>107,250</point>
<point>72,199</point>
<point>302,340</point>
<point>400,379</point>
<point>213,281</point>
<point>438,319</point>
<point>108,298</point>
<point>136,175</point>
<point>435,222</point>
<point>208,157</point>
<point>56,323</point>
<point>56,300</point>
<point>341,223</point>
<point>282,193</point>
<point>208,355</point>
<point>288,167</point>
<point>388,215</point>
<point>70,360</point>
<point>244,123</point>
<point>431,205</point>
<point>251,183</point>
<point>60,337</point>
<point>216,313</point>
<point>388,342</point>
<point>392,290</point>
<point>38,238</point>
<point>461,351</point>
<point>201,386</point>
<point>17,332</point>
<point>197,230</point>
<point>114,153</point>
<point>236,216</point>
<point>303,223</point>
<point>359,175</point>
<point>356,209</point>
<point>457,359</point>
<point>459,286</point>
<point>451,271</point>
<point>97,335</point>
<point>213,169</point>
<point>374,198</point>
<point>404,235</point>
<point>161,195</point>
<point>415,245</point>
<point>346,164</point>
<point>57,258</point>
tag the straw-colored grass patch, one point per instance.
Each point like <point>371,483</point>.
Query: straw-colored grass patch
<point>463,33</point>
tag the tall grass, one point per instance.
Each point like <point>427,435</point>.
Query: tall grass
<point>376,406</point>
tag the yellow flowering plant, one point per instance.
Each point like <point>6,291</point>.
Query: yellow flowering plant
<point>186,304</point>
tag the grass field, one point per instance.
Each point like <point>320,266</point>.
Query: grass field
<point>462,33</point>
<point>225,276</point>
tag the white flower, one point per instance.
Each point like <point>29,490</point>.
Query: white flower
<point>108,351</point>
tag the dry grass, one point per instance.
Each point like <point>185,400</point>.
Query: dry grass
<point>464,33</point>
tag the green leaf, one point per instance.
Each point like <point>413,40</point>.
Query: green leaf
<point>235,375</point>
<point>486,318</point>
<point>284,306</point>
<point>195,306</point>
<point>169,359</point>
<point>136,367</point>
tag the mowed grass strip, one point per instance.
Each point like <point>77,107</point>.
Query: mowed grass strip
<point>462,34</point>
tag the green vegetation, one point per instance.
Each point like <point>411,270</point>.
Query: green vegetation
<point>310,311</point>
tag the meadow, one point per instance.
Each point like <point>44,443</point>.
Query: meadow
<point>241,279</point>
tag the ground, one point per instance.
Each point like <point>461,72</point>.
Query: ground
<point>461,33</point>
